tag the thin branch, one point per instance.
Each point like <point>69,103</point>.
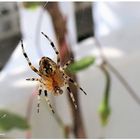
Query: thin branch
<point>59,23</point>
<point>108,83</point>
<point>104,108</point>
<point>125,83</point>
<point>60,29</point>
<point>132,93</point>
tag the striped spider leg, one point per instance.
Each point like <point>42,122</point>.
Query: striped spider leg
<point>53,46</point>
<point>28,60</point>
<point>58,60</point>
<point>67,64</point>
<point>40,90</point>
<point>52,76</point>
<point>64,67</point>
<point>73,82</point>
<point>67,78</point>
<point>71,94</point>
<point>36,79</point>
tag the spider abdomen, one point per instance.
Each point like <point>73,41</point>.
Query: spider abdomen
<point>55,82</point>
<point>58,78</point>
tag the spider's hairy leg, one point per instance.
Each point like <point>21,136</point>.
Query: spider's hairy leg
<point>67,64</point>
<point>73,82</point>
<point>39,91</point>
<point>38,97</point>
<point>28,60</point>
<point>48,101</point>
<point>53,46</point>
<point>71,95</point>
<point>34,79</point>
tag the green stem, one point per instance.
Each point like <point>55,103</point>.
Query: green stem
<point>130,90</point>
<point>132,93</point>
<point>107,87</point>
<point>104,108</point>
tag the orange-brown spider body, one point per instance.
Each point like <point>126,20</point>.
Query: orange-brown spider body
<point>52,76</point>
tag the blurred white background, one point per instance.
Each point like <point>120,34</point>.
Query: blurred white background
<point>117,25</point>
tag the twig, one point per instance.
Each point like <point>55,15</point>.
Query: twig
<point>60,29</point>
<point>125,83</point>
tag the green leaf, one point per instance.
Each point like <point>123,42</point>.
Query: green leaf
<point>81,64</point>
<point>10,120</point>
<point>104,112</point>
<point>31,5</point>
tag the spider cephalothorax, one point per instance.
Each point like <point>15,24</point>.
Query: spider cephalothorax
<point>52,76</point>
<point>47,66</point>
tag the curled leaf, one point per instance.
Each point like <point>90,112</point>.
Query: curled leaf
<point>81,64</point>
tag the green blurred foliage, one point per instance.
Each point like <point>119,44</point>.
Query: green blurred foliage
<point>10,120</point>
<point>81,64</point>
<point>104,112</point>
<point>31,5</point>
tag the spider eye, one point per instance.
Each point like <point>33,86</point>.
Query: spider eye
<point>48,69</point>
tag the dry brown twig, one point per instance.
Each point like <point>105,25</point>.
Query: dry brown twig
<point>59,23</point>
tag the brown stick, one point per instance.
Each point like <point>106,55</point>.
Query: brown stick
<point>59,23</point>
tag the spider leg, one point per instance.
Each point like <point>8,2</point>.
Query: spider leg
<point>29,62</point>
<point>39,91</point>
<point>53,46</point>
<point>38,97</point>
<point>34,79</point>
<point>48,101</point>
<point>67,64</point>
<point>73,82</point>
<point>71,95</point>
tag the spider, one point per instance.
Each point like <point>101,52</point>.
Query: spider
<point>52,76</point>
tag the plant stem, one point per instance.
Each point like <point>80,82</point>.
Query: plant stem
<point>132,93</point>
<point>125,84</point>
<point>108,82</point>
<point>59,23</point>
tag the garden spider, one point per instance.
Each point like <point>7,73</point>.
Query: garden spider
<point>52,76</point>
